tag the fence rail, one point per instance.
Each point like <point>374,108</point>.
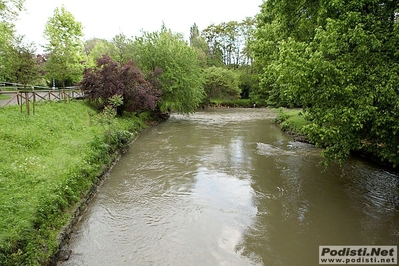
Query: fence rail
<point>31,97</point>
<point>21,97</point>
<point>18,86</point>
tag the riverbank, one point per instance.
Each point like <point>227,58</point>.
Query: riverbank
<point>293,122</point>
<point>51,164</point>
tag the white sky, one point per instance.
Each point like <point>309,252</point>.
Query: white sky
<point>105,19</point>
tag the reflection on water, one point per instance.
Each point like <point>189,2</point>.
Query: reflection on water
<point>227,187</point>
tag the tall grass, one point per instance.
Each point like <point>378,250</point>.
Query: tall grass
<point>47,163</point>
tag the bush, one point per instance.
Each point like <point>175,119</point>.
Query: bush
<point>109,79</point>
<point>221,83</point>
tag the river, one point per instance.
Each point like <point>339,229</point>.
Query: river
<point>227,187</point>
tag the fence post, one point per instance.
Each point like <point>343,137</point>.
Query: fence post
<point>27,101</point>
<point>20,95</point>
<point>34,100</point>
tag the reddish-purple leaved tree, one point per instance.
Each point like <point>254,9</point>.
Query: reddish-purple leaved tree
<point>109,79</point>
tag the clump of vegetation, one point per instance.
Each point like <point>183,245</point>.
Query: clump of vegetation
<point>49,161</point>
<point>339,63</point>
<point>293,122</point>
<point>221,83</point>
<point>109,78</point>
<point>182,79</point>
<point>243,103</point>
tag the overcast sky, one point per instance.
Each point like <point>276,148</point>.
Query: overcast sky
<point>105,19</point>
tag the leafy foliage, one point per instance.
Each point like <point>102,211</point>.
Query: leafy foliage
<point>227,42</point>
<point>9,9</point>
<point>95,49</point>
<point>120,49</point>
<point>198,43</point>
<point>23,67</point>
<point>110,78</point>
<point>182,78</point>
<point>340,62</point>
<point>6,49</point>
<point>123,49</point>
<point>65,47</point>
<point>221,83</point>
<point>292,121</point>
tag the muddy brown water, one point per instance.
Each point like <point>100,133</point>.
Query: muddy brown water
<point>227,187</point>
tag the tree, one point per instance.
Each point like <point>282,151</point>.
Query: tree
<point>123,49</point>
<point>95,49</point>
<point>182,78</point>
<point>228,42</point>
<point>24,67</point>
<point>120,49</point>
<point>340,62</point>
<point>247,30</point>
<point>221,83</point>
<point>6,37</point>
<point>198,43</point>
<point>110,78</point>
<point>212,36</point>
<point>65,46</point>
<point>90,44</point>
<point>9,9</point>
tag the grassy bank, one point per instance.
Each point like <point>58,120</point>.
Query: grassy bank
<point>244,103</point>
<point>293,122</point>
<point>48,162</point>
<point>4,97</point>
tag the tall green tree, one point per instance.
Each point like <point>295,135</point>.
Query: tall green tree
<point>199,44</point>
<point>215,50</point>
<point>65,47</point>
<point>6,37</point>
<point>9,10</point>
<point>221,83</point>
<point>24,67</point>
<point>339,61</point>
<point>228,41</point>
<point>96,48</point>
<point>120,49</point>
<point>182,78</point>
<point>247,30</point>
<point>123,48</point>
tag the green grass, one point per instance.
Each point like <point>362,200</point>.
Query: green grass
<point>292,121</point>
<point>48,162</point>
<point>8,88</point>
<point>4,96</point>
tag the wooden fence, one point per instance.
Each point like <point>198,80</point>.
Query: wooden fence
<point>31,97</point>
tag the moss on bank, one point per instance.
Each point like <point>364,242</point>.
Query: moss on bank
<point>49,163</point>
